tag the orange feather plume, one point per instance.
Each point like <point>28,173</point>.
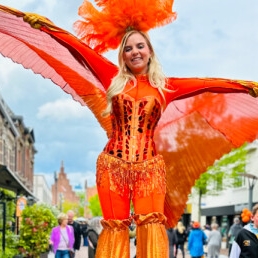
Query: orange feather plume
<point>246,215</point>
<point>103,28</point>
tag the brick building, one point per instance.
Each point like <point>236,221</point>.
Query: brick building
<point>62,190</point>
<point>16,152</point>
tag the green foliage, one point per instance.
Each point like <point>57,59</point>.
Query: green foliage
<point>81,196</point>
<point>37,223</point>
<point>8,197</point>
<point>11,245</point>
<point>76,207</point>
<point>94,206</point>
<point>224,173</point>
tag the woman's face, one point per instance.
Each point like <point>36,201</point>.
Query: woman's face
<point>255,219</point>
<point>136,54</point>
<point>64,222</point>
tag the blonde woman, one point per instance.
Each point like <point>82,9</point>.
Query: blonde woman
<point>181,238</point>
<point>62,237</point>
<point>132,99</point>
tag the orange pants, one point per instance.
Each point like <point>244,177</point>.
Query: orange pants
<point>119,182</point>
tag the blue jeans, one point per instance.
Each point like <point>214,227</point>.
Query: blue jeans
<point>62,254</point>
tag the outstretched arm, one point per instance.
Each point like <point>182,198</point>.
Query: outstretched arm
<point>188,87</point>
<point>57,55</point>
<point>103,69</point>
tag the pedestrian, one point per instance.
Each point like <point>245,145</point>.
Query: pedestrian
<point>214,241</point>
<point>206,230</point>
<point>245,244</point>
<point>128,101</point>
<point>77,231</point>
<point>189,228</point>
<point>196,240</point>
<point>84,227</point>
<point>62,237</point>
<point>93,231</point>
<point>172,241</point>
<point>233,231</point>
<point>181,238</point>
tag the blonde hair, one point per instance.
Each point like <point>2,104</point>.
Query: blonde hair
<point>214,226</point>
<point>255,209</point>
<point>156,76</point>
<point>61,217</point>
<point>180,227</point>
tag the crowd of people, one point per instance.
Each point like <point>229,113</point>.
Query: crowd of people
<point>67,238</point>
<point>206,241</point>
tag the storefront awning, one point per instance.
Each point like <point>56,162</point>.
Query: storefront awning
<point>10,181</point>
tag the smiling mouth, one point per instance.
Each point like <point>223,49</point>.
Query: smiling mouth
<point>136,59</point>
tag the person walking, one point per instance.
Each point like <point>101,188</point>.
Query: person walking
<point>62,237</point>
<point>93,231</point>
<point>233,231</point>
<point>196,240</point>
<point>84,227</point>
<point>181,238</point>
<point>77,231</point>
<point>172,241</point>
<point>206,230</point>
<point>214,241</point>
<point>245,244</point>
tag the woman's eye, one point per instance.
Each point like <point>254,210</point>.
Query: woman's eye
<point>140,46</point>
<point>127,49</point>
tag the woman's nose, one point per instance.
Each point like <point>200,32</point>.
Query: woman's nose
<point>134,51</point>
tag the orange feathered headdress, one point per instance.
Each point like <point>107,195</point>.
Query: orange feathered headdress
<point>103,29</point>
<point>246,215</point>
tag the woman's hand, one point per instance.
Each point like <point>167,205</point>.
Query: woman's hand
<point>35,20</point>
<point>254,92</point>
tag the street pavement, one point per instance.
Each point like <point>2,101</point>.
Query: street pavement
<point>83,252</point>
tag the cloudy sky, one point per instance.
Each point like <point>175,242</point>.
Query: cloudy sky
<point>210,38</point>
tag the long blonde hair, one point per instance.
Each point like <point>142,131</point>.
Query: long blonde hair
<point>180,227</point>
<point>156,76</point>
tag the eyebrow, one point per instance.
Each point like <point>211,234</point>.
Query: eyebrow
<point>136,44</point>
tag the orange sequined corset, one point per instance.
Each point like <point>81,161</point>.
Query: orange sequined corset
<point>133,124</point>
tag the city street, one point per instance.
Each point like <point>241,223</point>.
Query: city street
<point>83,252</point>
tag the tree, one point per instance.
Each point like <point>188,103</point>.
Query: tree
<point>223,174</point>
<point>94,206</point>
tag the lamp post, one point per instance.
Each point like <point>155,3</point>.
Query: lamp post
<point>251,183</point>
<point>56,194</point>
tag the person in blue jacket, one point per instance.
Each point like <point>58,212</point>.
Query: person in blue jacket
<point>196,240</point>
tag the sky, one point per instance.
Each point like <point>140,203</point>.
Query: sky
<point>209,38</point>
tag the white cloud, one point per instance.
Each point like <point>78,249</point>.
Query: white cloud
<point>62,110</point>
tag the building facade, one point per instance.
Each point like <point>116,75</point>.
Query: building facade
<point>17,152</point>
<point>62,190</point>
<point>229,203</point>
<point>41,189</point>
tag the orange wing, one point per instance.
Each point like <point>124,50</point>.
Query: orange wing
<point>193,131</point>
<point>196,131</point>
<point>58,55</point>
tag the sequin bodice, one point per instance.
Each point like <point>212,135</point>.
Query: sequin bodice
<point>133,124</point>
